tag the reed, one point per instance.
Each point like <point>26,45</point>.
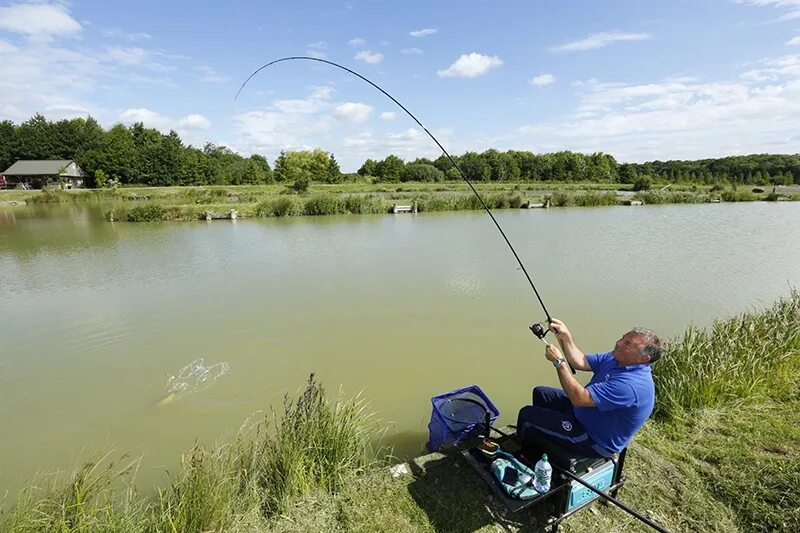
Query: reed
<point>316,444</point>
<point>751,356</point>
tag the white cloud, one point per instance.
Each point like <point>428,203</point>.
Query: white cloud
<point>542,80</point>
<point>127,56</point>
<point>423,33</point>
<point>152,119</point>
<point>317,49</point>
<point>210,75</point>
<point>793,41</point>
<point>352,112</point>
<point>599,40</point>
<point>410,51</point>
<point>680,118</point>
<point>116,33</point>
<point>38,20</point>
<point>369,57</point>
<point>284,125</point>
<point>792,6</point>
<point>470,66</point>
<point>388,115</point>
<point>195,121</point>
<point>358,41</point>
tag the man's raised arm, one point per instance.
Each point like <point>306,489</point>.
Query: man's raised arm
<point>573,354</point>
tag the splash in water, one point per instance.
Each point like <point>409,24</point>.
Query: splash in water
<point>194,377</point>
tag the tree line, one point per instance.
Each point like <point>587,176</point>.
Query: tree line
<point>145,156</point>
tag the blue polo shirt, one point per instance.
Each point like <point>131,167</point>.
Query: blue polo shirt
<point>624,397</point>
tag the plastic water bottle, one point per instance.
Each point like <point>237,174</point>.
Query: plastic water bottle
<point>543,471</point>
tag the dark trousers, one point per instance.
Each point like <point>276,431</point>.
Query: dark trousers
<point>552,416</point>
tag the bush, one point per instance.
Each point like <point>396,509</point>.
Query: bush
<point>301,185</point>
<point>560,199</point>
<point>589,199</point>
<point>365,205</point>
<point>285,206</point>
<point>706,369</point>
<point>324,204</point>
<point>736,195</point>
<point>146,213</point>
<point>642,183</point>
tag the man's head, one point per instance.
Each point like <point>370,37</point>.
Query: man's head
<point>640,346</point>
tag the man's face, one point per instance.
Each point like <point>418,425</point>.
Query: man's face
<point>628,350</point>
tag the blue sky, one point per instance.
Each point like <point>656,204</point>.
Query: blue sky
<point>639,80</point>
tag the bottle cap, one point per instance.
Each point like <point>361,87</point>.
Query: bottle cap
<point>544,457</point>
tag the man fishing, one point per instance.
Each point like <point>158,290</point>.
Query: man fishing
<point>599,419</point>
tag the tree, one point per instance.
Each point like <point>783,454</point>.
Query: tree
<point>316,165</point>
<point>8,144</point>
<point>474,167</point>
<point>36,139</point>
<point>421,172</point>
<point>390,169</point>
<point>116,156</point>
<point>368,168</point>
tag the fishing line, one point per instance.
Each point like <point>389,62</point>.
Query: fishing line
<point>463,176</point>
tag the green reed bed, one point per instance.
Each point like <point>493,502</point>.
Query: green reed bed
<point>562,198</point>
<point>314,445</point>
<point>752,356</point>
<point>671,197</point>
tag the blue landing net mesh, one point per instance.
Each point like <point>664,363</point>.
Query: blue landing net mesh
<point>458,415</point>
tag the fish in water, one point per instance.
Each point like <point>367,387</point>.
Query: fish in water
<point>169,398</point>
<point>194,377</point>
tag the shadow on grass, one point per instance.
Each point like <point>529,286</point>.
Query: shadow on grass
<point>457,500</point>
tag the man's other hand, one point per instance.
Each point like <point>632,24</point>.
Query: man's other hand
<point>560,329</point>
<point>551,352</point>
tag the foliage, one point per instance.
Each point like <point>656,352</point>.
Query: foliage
<point>365,204</point>
<point>301,184</point>
<point>285,206</point>
<point>642,183</point>
<point>754,355</point>
<point>324,204</point>
<point>315,445</point>
<point>146,213</point>
<point>314,165</point>
<point>421,172</point>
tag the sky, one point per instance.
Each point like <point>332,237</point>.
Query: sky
<point>639,80</point>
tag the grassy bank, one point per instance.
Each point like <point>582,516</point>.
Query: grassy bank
<point>192,203</point>
<point>722,454</point>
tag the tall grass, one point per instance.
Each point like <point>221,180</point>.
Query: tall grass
<point>750,356</point>
<point>670,197</point>
<point>285,206</point>
<point>315,444</point>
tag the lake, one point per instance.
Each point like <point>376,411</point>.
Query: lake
<point>99,316</point>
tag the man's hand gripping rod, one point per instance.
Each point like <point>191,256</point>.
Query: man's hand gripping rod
<point>540,331</point>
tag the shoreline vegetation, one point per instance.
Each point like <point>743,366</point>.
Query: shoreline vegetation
<point>721,453</point>
<point>147,204</point>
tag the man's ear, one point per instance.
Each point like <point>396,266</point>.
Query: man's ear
<point>644,359</point>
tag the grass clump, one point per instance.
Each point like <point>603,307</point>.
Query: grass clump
<point>285,206</point>
<point>316,445</point>
<point>738,195</point>
<point>669,197</point>
<point>595,198</point>
<point>324,204</point>
<point>146,213</point>
<point>751,356</point>
<point>369,204</point>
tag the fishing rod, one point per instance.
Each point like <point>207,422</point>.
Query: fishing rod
<point>537,329</point>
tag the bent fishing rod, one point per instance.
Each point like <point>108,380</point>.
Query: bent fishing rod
<point>536,329</point>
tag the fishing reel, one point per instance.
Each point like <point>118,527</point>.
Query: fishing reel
<point>539,329</point>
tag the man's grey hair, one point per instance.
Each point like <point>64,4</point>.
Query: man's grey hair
<point>652,344</point>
